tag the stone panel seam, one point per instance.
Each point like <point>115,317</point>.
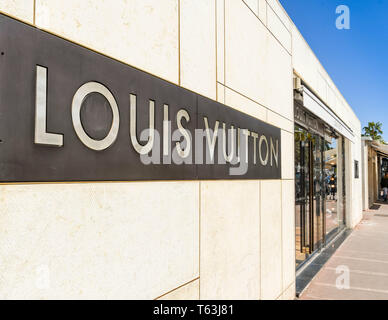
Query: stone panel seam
<point>94,50</point>
<point>179,42</point>
<point>34,13</point>
<point>260,254</point>
<point>273,10</point>
<point>285,290</point>
<point>224,47</point>
<point>267,28</point>
<point>16,18</point>
<point>216,24</point>
<point>199,237</point>
<point>281,233</point>
<point>182,285</point>
<point>268,109</point>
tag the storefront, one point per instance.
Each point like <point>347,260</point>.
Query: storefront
<point>374,167</point>
<point>320,190</point>
<point>121,124</point>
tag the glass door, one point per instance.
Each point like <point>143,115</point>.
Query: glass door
<point>318,191</point>
<point>302,195</point>
<point>309,193</point>
<point>334,176</point>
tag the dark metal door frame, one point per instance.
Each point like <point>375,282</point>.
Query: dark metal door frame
<point>310,193</point>
<point>311,196</point>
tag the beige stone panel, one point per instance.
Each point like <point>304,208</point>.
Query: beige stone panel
<point>198,46</point>
<point>331,98</point>
<point>243,104</point>
<point>230,240</point>
<point>353,186</point>
<point>141,33</point>
<point>351,119</point>
<point>253,5</point>
<point>278,29</point>
<point>335,100</point>
<point>303,59</point>
<point>308,67</point>
<point>98,240</point>
<point>220,7</point>
<point>263,11</point>
<point>335,106</point>
<point>271,239</point>
<point>321,86</point>
<point>288,141</point>
<point>290,293</point>
<point>354,122</point>
<point>288,232</point>
<point>21,9</point>
<point>220,93</point>
<point>280,12</point>
<point>188,291</point>
<point>279,121</point>
<point>257,66</point>
<point>357,187</point>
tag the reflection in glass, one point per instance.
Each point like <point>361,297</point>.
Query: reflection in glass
<point>330,171</point>
<point>334,183</point>
<point>308,193</point>
<point>319,190</point>
<point>302,200</point>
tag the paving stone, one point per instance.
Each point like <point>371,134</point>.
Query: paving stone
<point>364,254</point>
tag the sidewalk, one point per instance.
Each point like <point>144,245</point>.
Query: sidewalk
<point>361,262</point>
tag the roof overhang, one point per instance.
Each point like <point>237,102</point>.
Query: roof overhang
<point>380,148</point>
<point>322,111</point>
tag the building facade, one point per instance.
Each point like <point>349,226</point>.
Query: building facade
<point>187,238</point>
<point>375,167</point>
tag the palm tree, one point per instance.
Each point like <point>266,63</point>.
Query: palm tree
<point>374,130</point>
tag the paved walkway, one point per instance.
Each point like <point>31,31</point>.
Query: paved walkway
<point>359,268</point>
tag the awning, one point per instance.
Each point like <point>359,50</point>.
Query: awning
<point>316,106</point>
<point>380,148</point>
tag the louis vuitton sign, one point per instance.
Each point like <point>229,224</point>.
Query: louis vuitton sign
<point>70,114</point>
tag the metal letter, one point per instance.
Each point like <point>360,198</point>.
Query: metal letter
<point>232,137</point>
<point>78,99</point>
<point>148,146</point>
<point>238,145</point>
<point>246,133</point>
<point>274,152</point>
<point>255,136</point>
<point>265,161</point>
<point>183,114</point>
<point>211,141</point>
<point>166,131</point>
<point>41,135</point>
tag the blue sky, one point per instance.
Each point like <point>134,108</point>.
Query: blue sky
<point>356,59</point>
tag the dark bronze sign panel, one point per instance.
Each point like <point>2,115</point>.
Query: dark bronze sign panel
<point>70,114</point>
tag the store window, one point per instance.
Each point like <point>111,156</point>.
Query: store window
<point>334,176</point>
<point>384,167</point>
<point>319,186</point>
<point>309,193</point>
